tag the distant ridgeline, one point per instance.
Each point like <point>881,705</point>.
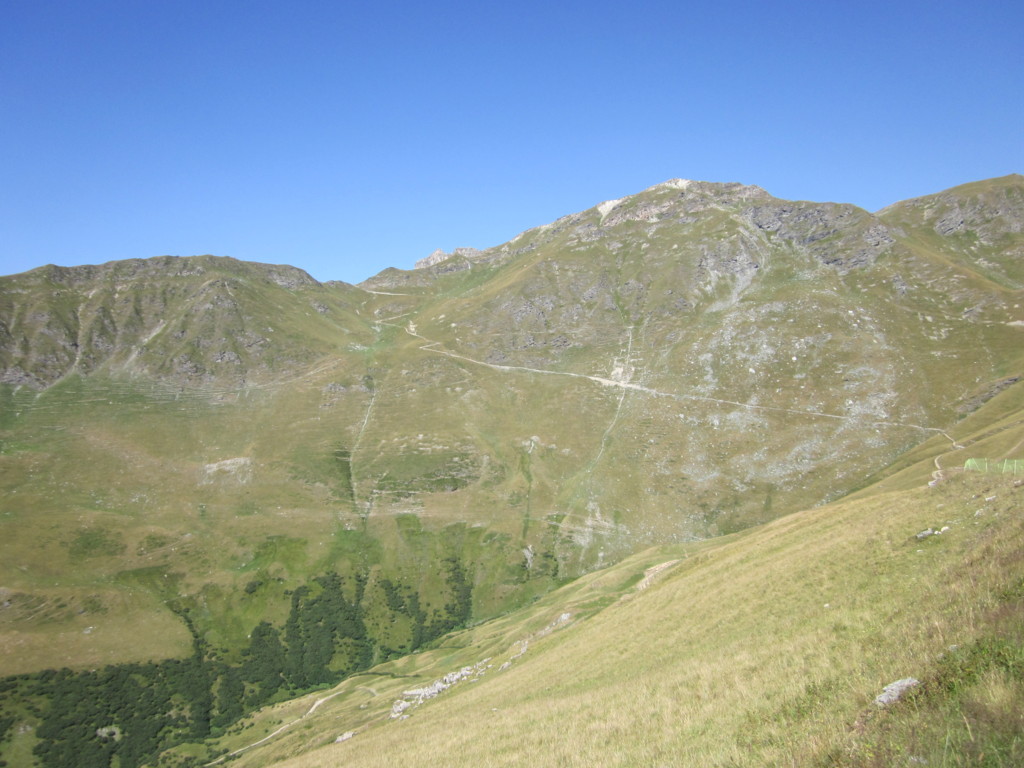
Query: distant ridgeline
<point>995,466</point>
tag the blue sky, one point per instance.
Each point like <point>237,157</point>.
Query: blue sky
<point>348,137</point>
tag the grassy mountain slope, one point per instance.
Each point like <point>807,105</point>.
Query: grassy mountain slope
<point>130,479</point>
<point>203,438</point>
<point>765,647</point>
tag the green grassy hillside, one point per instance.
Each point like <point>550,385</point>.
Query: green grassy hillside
<point>766,647</point>
<point>198,452</point>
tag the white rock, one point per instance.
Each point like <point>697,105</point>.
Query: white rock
<point>894,691</point>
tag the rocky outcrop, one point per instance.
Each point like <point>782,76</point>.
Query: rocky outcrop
<point>439,256</point>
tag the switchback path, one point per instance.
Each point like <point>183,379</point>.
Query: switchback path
<point>285,727</point>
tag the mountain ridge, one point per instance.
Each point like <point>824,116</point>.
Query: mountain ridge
<point>588,295</point>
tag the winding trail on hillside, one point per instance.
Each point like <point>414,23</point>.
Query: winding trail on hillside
<point>281,729</point>
<point>435,346</point>
<point>941,472</point>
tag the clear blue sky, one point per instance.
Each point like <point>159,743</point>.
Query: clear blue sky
<point>347,137</point>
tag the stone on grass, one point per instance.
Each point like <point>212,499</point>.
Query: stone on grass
<point>894,691</point>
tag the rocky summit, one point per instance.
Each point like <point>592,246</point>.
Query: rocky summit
<point>217,445</point>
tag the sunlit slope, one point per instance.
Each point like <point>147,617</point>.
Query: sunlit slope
<point>763,648</point>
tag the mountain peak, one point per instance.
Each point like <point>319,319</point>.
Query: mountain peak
<point>733,188</point>
<point>673,184</point>
<point>439,255</point>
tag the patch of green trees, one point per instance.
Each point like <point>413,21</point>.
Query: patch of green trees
<point>125,715</point>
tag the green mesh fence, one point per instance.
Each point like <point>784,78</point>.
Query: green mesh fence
<point>995,466</point>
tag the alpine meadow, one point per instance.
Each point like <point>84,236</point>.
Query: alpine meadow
<point>695,477</point>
